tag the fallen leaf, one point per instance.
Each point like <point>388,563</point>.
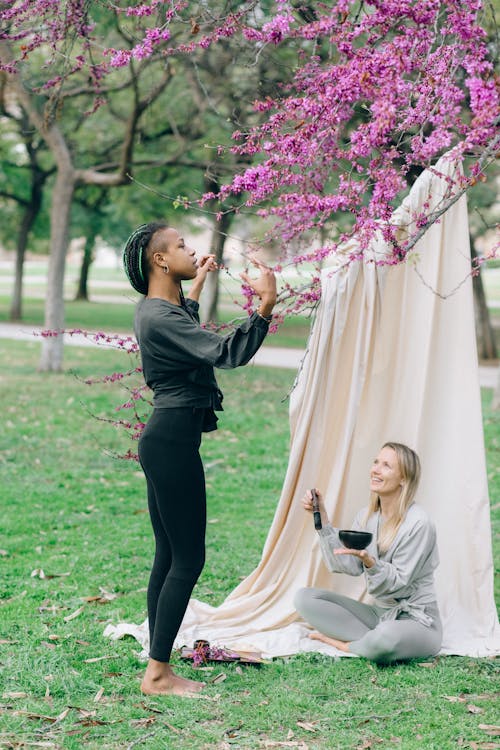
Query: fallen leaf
<point>143,705</point>
<point>74,614</point>
<point>102,598</point>
<point>202,697</point>
<point>98,658</point>
<point>455,698</point>
<point>218,678</point>
<point>472,709</point>
<point>51,608</point>
<point>173,729</point>
<point>62,715</point>
<point>144,722</point>
<point>492,729</point>
<point>428,664</point>
<point>85,712</point>
<point>98,695</point>
<point>368,742</point>
<point>31,715</point>
<point>39,573</point>
<point>307,725</point>
<point>232,733</point>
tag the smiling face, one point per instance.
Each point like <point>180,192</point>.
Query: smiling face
<point>168,248</point>
<point>385,475</point>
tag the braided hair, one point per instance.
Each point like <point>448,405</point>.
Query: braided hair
<point>135,261</point>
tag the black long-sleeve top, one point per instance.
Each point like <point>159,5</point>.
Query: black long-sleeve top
<point>178,355</point>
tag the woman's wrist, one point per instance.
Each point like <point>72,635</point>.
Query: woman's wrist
<point>265,308</point>
<point>195,292</point>
<point>262,314</point>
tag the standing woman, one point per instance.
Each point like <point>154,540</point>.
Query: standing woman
<point>398,565</point>
<point>178,357</point>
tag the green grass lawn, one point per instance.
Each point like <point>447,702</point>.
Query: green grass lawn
<point>79,515</point>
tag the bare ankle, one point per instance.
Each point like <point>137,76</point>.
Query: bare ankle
<point>157,669</point>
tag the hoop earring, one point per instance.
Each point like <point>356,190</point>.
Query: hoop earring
<point>166,269</point>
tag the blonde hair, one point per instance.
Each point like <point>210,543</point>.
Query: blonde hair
<point>409,466</point>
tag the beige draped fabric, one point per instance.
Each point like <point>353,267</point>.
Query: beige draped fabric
<point>389,359</point>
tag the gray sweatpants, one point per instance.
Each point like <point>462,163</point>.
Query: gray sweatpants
<point>383,641</point>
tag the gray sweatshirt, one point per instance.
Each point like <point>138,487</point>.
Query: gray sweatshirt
<point>402,579</point>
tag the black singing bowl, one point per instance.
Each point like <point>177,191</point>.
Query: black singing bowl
<point>355,539</point>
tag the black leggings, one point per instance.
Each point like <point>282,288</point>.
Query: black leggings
<point>169,456</point>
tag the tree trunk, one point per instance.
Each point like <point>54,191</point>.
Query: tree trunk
<point>495,404</point>
<point>52,346</point>
<point>27,221</point>
<point>486,344</point>
<point>210,296</point>
<point>82,291</point>
<point>16,305</point>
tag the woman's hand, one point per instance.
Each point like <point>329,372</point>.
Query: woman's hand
<point>367,560</point>
<point>307,502</point>
<point>264,286</point>
<point>206,263</point>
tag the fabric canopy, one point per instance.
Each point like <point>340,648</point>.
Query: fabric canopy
<point>392,356</point>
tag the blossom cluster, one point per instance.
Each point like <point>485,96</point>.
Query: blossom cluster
<point>406,82</point>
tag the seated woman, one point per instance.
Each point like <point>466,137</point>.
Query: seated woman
<point>398,565</point>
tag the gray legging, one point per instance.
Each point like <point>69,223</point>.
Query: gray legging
<point>382,641</point>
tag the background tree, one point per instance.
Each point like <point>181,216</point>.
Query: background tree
<point>51,127</point>
<point>484,213</point>
<point>24,177</point>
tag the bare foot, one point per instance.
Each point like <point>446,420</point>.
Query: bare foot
<point>160,679</point>
<point>341,645</point>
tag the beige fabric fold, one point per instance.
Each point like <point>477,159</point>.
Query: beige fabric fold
<point>388,359</point>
